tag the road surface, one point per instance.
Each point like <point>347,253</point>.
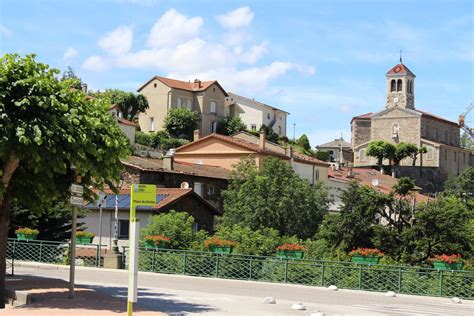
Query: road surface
<point>184,295</point>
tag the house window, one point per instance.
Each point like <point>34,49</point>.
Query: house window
<point>227,111</point>
<point>445,155</point>
<point>393,85</point>
<point>253,127</point>
<point>179,102</point>
<point>316,174</point>
<point>362,154</point>
<point>189,104</point>
<point>123,228</point>
<point>213,127</point>
<point>152,124</point>
<point>198,188</point>
<point>211,190</point>
<point>213,107</point>
<point>268,116</point>
<point>279,130</point>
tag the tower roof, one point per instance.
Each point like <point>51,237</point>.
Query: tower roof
<point>400,69</point>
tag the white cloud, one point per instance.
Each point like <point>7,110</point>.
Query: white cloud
<point>94,63</point>
<point>237,18</point>
<point>5,31</point>
<point>117,42</point>
<point>70,53</point>
<point>173,28</point>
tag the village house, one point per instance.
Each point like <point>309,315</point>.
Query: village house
<point>399,122</point>
<point>207,98</point>
<point>226,151</point>
<point>254,114</point>
<point>167,199</point>
<point>335,148</point>
<point>127,127</point>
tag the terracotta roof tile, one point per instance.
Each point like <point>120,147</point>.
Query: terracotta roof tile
<point>365,116</point>
<point>196,85</point>
<point>400,69</point>
<point>365,176</point>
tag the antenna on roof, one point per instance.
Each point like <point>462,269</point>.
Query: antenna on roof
<point>401,57</point>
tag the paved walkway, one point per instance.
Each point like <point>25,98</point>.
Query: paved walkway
<point>184,295</point>
<point>50,297</point>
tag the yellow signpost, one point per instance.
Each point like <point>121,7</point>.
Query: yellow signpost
<point>140,195</point>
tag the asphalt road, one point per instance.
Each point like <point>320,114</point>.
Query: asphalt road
<point>183,295</point>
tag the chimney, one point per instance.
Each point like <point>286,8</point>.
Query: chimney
<point>261,142</point>
<point>197,135</point>
<point>168,161</point>
<point>197,83</point>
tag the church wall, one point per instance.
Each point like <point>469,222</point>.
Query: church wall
<point>439,131</point>
<point>360,131</point>
<point>408,128</point>
<point>453,161</point>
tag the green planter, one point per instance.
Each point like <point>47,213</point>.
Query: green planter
<point>151,244</point>
<point>26,237</point>
<point>84,240</point>
<point>441,265</point>
<point>221,250</point>
<point>365,260</point>
<point>290,254</point>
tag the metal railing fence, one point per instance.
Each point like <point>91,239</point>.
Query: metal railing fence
<point>347,275</point>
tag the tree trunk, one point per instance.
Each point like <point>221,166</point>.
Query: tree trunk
<point>4,223</point>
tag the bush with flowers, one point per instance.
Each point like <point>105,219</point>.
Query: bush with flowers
<point>217,242</point>
<point>157,239</point>
<point>366,252</point>
<point>27,231</point>
<point>291,247</point>
<point>84,234</point>
<point>446,258</point>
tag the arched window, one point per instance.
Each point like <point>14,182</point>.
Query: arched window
<point>395,130</point>
<point>393,85</point>
<point>399,85</point>
<point>362,154</point>
<point>411,86</point>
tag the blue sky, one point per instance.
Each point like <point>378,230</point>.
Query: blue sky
<point>322,61</point>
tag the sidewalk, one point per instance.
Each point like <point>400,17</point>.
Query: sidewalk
<point>50,297</point>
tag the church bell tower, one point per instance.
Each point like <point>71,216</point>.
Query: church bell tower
<point>400,87</point>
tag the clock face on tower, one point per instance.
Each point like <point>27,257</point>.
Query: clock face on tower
<point>395,100</point>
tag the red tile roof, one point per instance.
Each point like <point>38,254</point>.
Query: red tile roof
<point>400,69</point>
<point>364,176</point>
<point>365,116</point>
<point>256,148</point>
<point>185,85</point>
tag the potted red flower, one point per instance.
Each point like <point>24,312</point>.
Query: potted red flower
<point>217,245</point>
<point>366,255</point>
<point>447,262</point>
<point>25,233</point>
<point>156,241</point>
<point>83,237</point>
<point>292,251</point>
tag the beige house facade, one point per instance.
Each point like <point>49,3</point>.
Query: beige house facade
<point>226,151</point>
<point>255,114</point>
<point>400,121</point>
<point>207,98</point>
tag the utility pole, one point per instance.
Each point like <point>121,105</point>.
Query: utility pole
<point>294,131</point>
<point>76,201</point>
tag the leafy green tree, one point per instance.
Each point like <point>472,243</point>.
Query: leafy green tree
<point>176,225</point>
<point>47,128</point>
<point>303,141</point>
<point>70,76</point>
<point>273,196</point>
<point>322,155</point>
<point>462,187</point>
<point>130,104</point>
<point>269,133</point>
<point>467,141</point>
<point>181,123</point>
<point>381,150</point>
<point>231,125</point>
<point>404,150</point>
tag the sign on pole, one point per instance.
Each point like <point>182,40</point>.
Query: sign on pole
<point>77,189</point>
<point>76,200</point>
<point>140,195</point>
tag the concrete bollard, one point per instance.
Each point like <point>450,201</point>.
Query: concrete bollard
<point>269,300</point>
<point>298,307</point>
<point>456,300</point>
<point>318,313</point>
<point>390,294</point>
<point>332,288</point>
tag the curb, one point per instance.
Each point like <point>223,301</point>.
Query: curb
<point>17,298</point>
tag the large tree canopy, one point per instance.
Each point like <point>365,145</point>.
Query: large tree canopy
<point>273,196</point>
<point>46,128</point>
<point>181,123</point>
<point>130,104</point>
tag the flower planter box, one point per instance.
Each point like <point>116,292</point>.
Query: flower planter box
<point>441,265</point>
<point>221,249</point>
<point>365,259</point>
<point>290,254</point>
<point>26,237</point>
<point>153,245</point>
<point>84,240</point>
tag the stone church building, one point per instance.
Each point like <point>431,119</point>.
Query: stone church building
<point>400,121</point>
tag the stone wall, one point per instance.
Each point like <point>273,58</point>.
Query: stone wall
<point>360,131</point>
<point>439,131</point>
<point>430,179</point>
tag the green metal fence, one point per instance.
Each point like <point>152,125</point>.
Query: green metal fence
<point>347,275</point>
<point>52,252</point>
